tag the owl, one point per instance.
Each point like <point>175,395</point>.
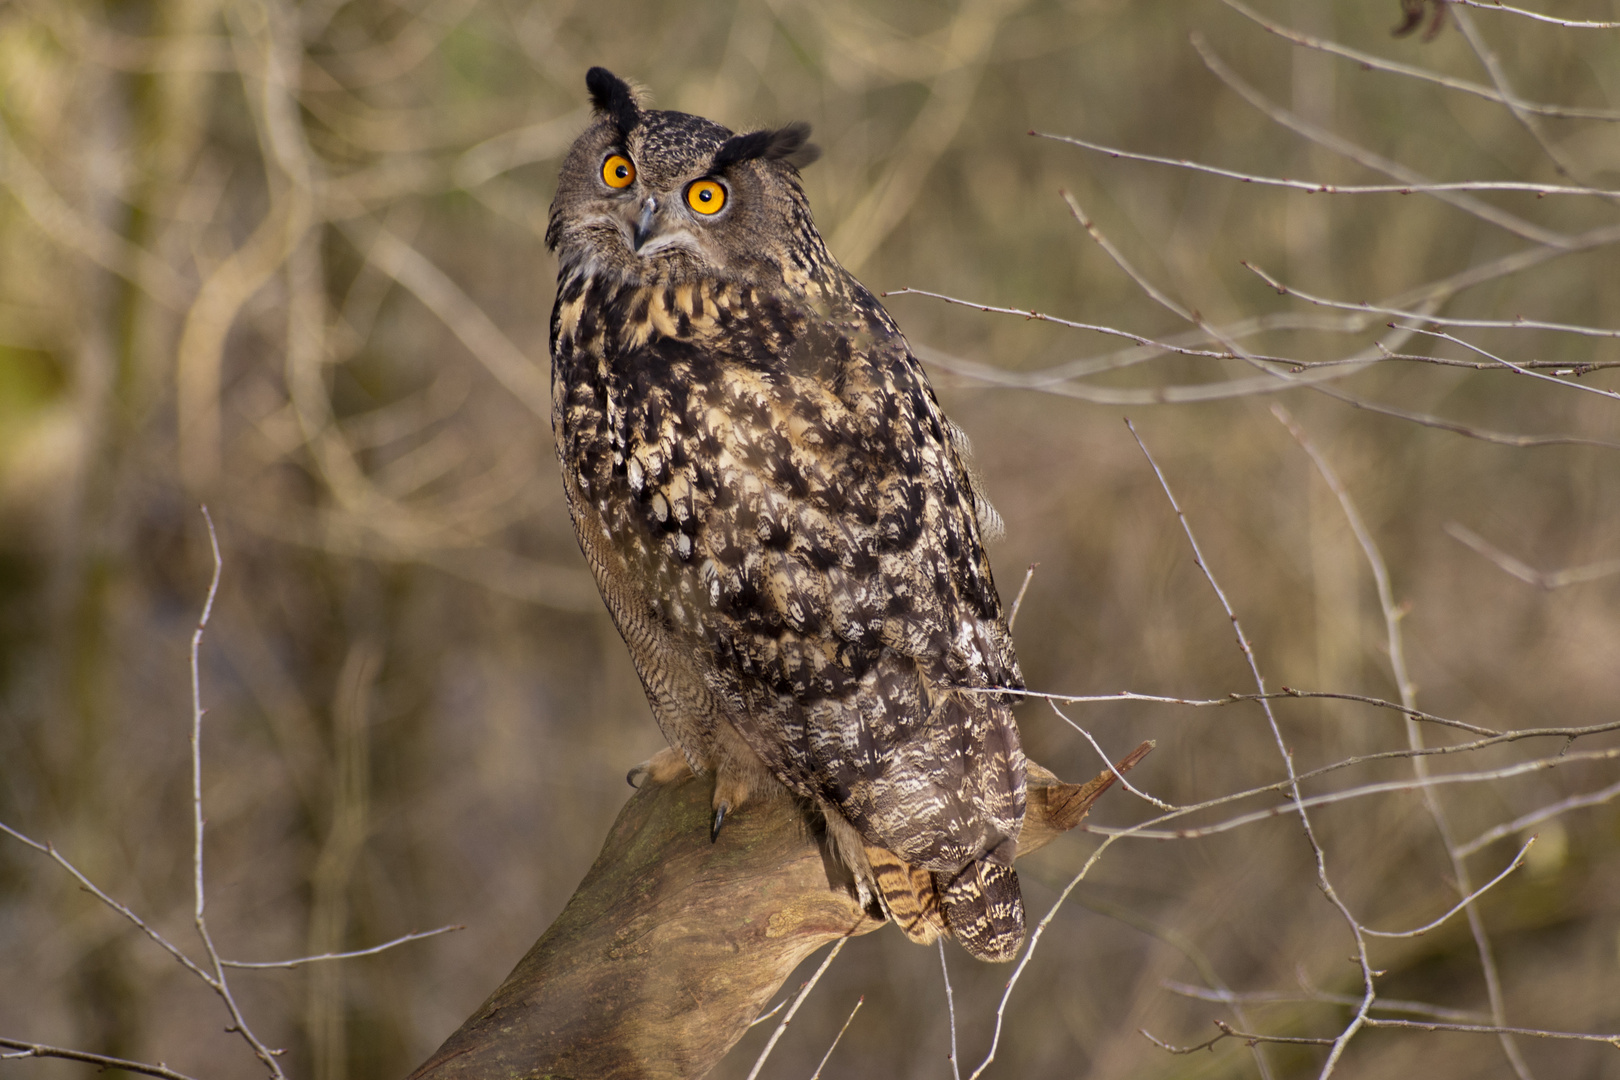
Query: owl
<point>782,522</point>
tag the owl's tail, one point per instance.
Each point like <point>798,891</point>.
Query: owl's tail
<point>908,895</point>
<point>980,906</point>
<point>983,909</point>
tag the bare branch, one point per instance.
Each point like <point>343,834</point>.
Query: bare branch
<point>1510,365</point>
<point>858,1003</point>
<point>1379,63</point>
<point>1393,614</point>
<point>804,992</point>
<point>1468,204</point>
<point>1285,692</point>
<point>40,1050</point>
<point>1018,601</point>
<point>1520,109</point>
<point>1319,187</point>
<point>1228,1032</point>
<point>374,950</point>
<point>1461,904</point>
<point>1108,762</point>
<point>1556,579</point>
<point>1270,997</point>
<point>1429,317</point>
<point>1568,24</point>
<point>1536,817</point>
<point>1495,1029</point>
<point>1506,772</point>
<point>1297,801</point>
<point>216,981</point>
<point>767,1014</point>
<point>90,887</point>
<point>950,1008</point>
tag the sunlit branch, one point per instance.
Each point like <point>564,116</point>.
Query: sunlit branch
<point>1318,187</point>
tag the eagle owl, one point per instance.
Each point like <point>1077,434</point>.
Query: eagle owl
<point>780,519</point>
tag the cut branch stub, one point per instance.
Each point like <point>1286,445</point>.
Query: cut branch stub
<point>671,946</point>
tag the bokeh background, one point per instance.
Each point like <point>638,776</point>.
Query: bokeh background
<point>286,259</point>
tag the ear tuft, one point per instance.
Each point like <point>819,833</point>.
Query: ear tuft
<point>790,144</point>
<point>613,97</point>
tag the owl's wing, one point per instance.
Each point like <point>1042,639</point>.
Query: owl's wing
<point>799,509</point>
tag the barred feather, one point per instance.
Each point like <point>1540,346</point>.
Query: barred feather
<point>984,909</point>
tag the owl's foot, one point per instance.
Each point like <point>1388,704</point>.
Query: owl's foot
<point>739,779</point>
<point>664,767</point>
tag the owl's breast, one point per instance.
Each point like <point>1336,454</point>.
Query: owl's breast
<point>776,484</point>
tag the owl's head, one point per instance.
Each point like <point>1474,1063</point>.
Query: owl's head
<point>650,194</point>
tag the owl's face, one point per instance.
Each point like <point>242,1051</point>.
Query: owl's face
<point>654,195</point>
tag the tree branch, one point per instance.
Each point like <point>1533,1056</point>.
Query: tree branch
<point>671,946</point>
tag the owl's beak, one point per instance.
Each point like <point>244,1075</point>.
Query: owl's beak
<point>644,223</point>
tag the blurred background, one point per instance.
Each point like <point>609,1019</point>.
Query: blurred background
<point>286,259</point>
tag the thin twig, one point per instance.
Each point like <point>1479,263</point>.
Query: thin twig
<point>1379,63</point>
<point>93,889</point>
<point>1283,379</point>
<point>1123,263</point>
<point>1428,317</point>
<point>216,980</point>
<point>1535,817</point>
<point>374,950</point>
<point>1321,187</point>
<point>1228,1032</point>
<point>1271,997</point>
<point>1275,695</point>
<point>1484,211</point>
<point>1510,98</point>
<point>1298,802</point>
<point>1510,365</point>
<point>1030,945</point>
<point>1496,1029</point>
<point>1250,1037</point>
<point>858,1003</point>
<point>1281,373</point>
<point>1118,775</point>
<point>1568,24</point>
<point>40,1050</point>
<point>1018,601</point>
<point>1393,615</point>
<point>950,1008</point>
<point>764,1016</point>
<point>1522,768</point>
<point>1461,904</point>
<point>804,992</point>
<point>1557,579</point>
<point>196,725</point>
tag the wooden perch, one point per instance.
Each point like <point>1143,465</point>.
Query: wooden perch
<point>671,946</point>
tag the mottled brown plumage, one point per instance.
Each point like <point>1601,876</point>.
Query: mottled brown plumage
<point>781,520</point>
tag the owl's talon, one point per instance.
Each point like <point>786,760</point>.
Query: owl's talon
<point>719,821</point>
<point>664,767</point>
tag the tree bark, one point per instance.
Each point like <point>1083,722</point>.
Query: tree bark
<point>672,945</point>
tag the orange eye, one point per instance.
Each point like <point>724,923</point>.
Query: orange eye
<point>617,172</point>
<point>705,196</point>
